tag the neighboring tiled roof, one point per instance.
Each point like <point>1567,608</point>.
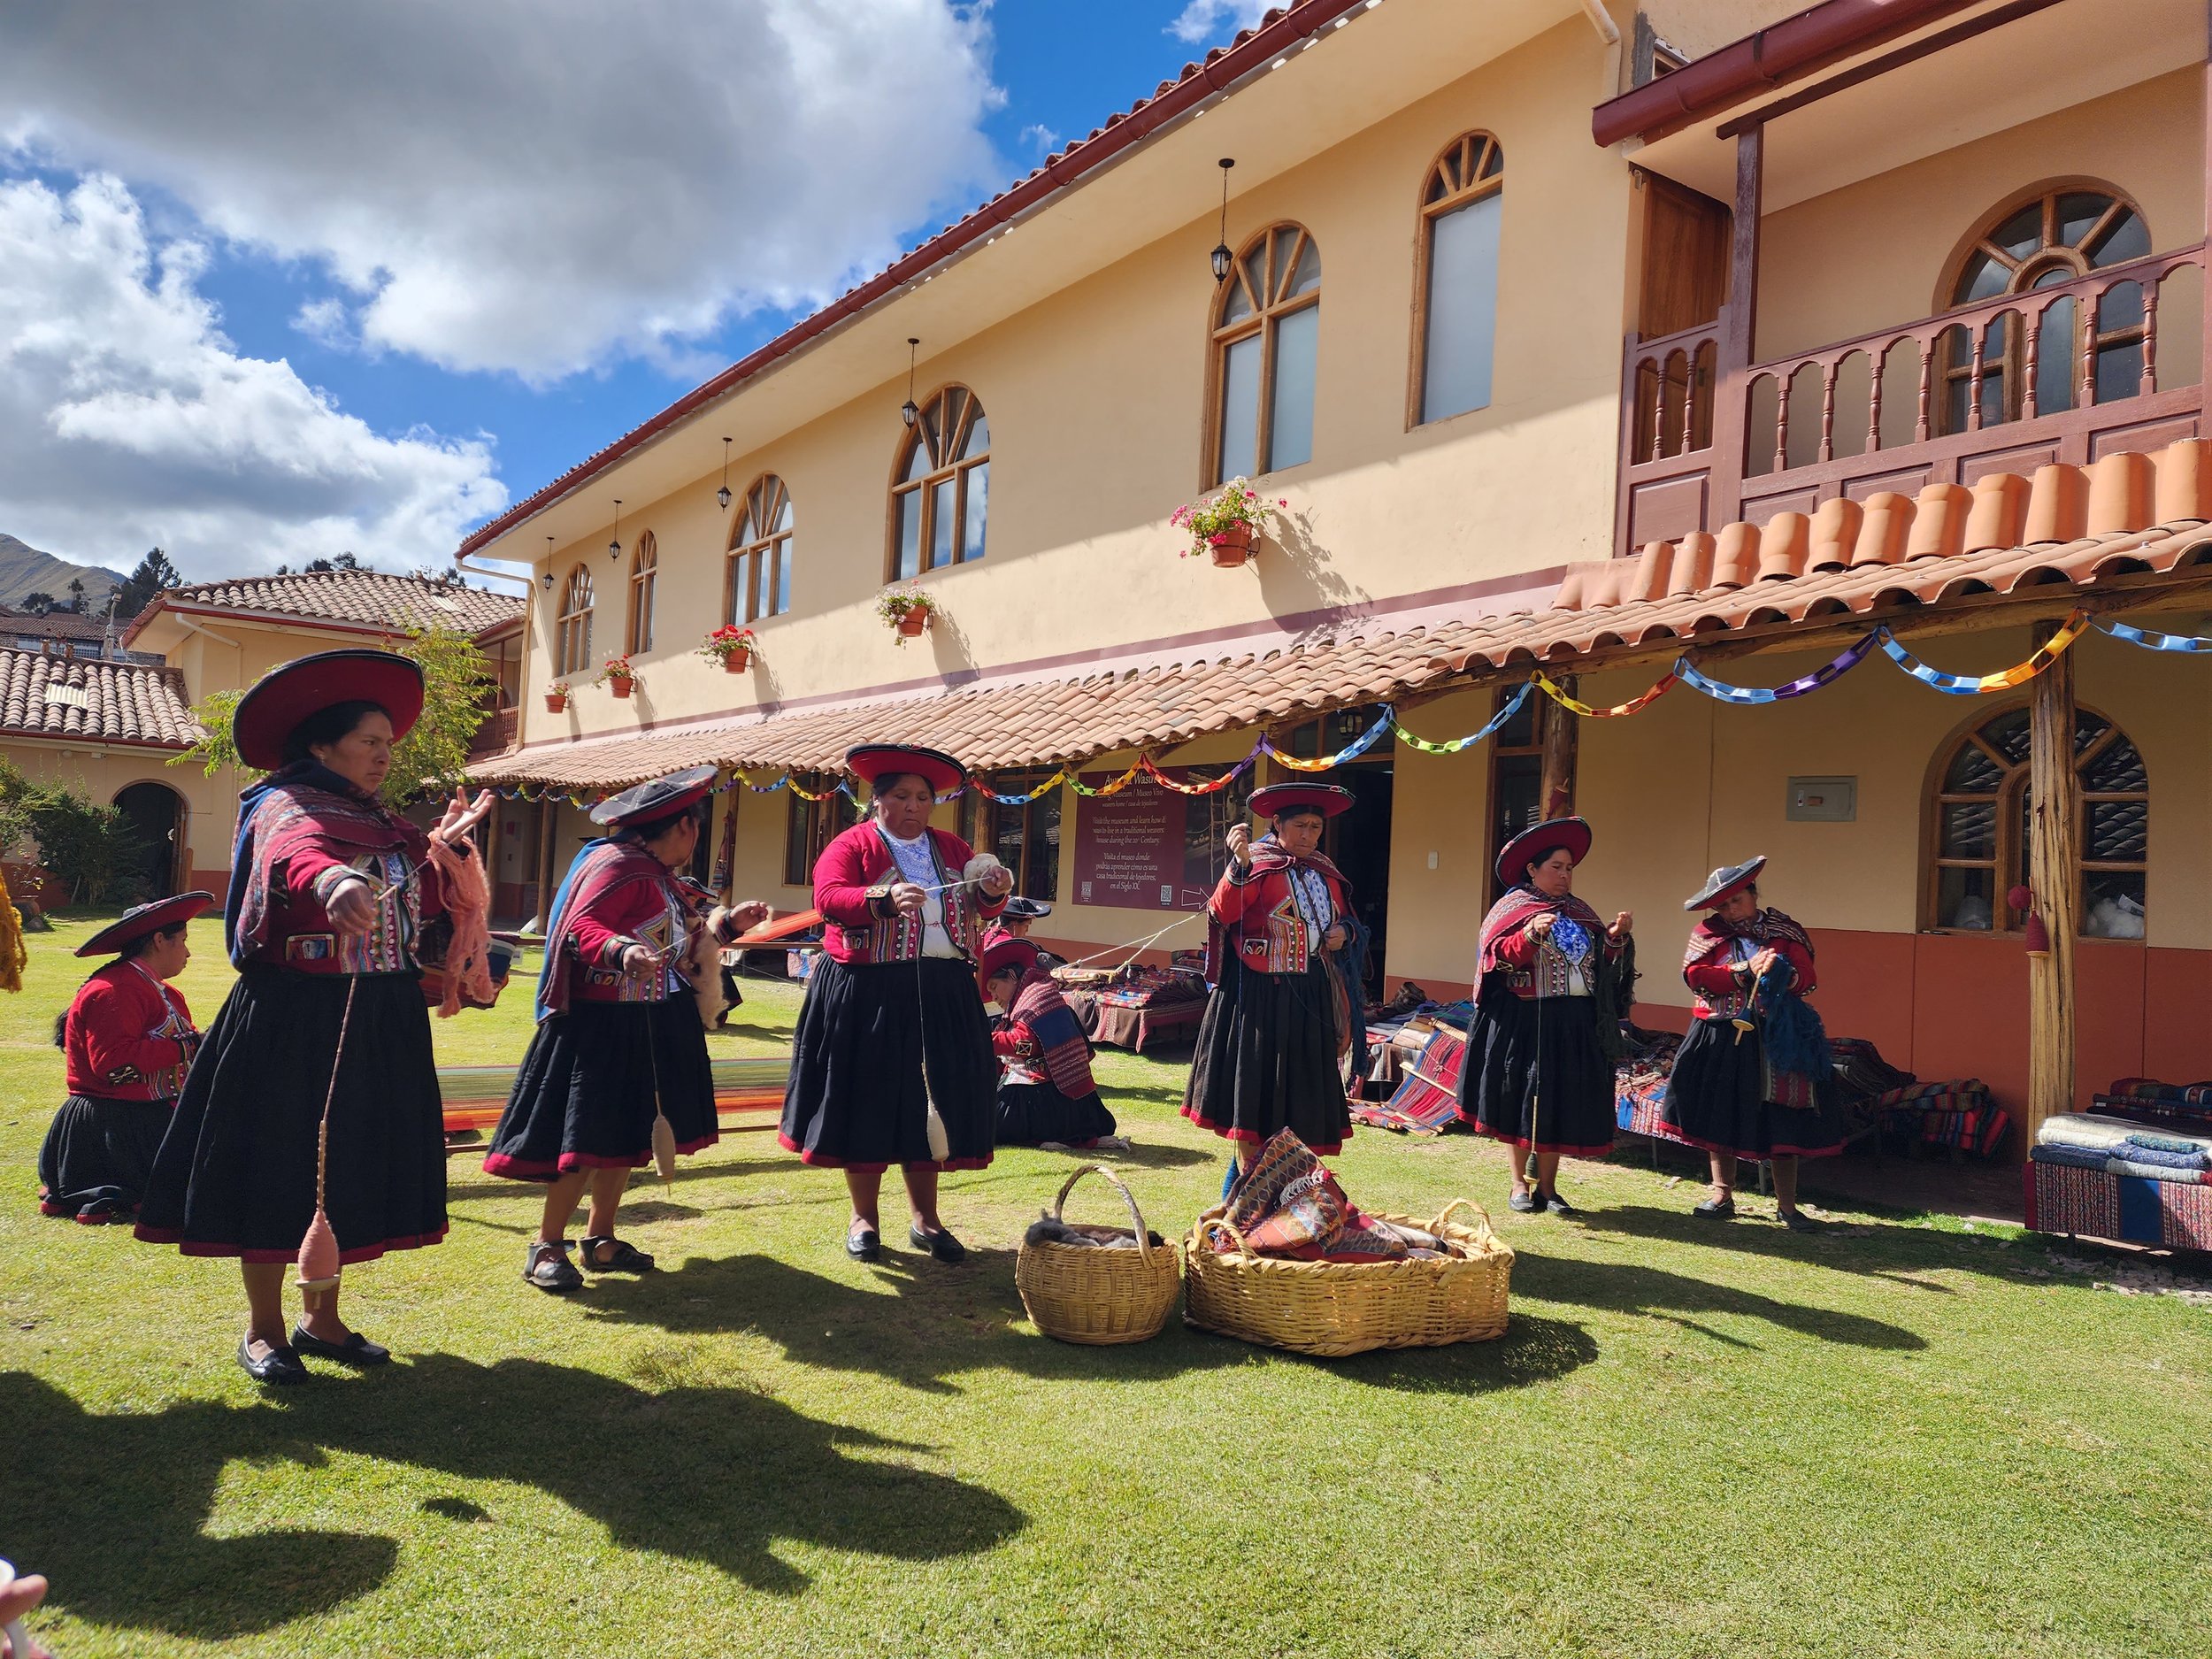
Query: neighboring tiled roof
<point>122,703</point>
<point>364,598</point>
<point>55,624</point>
<point>2068,528</point>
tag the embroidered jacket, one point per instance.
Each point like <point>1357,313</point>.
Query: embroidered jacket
<point>616,894</point>
<point>1039,1040</point>
<point>1716,965</point>
<point>127,1036</point>
<point>1257,913</point>
<point>853,881</point>
<point>305,830</point>
<point>1529,966</point>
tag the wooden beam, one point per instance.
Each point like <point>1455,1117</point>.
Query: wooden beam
<point>2205,82</point>
<point>2053,872</point>
<point>1739,336</point>
<point>548,851</point>
<point>1555,792</point>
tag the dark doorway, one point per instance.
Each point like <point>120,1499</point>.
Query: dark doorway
<point>156,816</point>
<point>1359,844</point>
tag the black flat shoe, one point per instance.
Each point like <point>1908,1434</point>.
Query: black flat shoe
<point>1559,1206</point>
<point>1717,1209</point>
<point>1797,1221</point>
<point>627,1258</point>
<point>279,1367</point>
<point>355,1350</point>
<point>863,1245</point>
<point>1523,1204</point>
<point>940,1244</point>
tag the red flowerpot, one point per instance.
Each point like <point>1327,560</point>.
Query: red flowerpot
<point>620,686</point>
<point>556,700</point>
<point>1231,547</point>
<point>912,623</point>
<point>736,661</point>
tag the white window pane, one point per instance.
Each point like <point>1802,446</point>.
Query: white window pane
<point>979,484</point>
<point>1241,410</point>
<point>783,577</point>
<point>1307,277</point>
<point>943,522</point>
<point>909,510</point>
<point>1290,422</point>
<point>978,435</point>
<point>1463,308</point>
<point>764,583</point>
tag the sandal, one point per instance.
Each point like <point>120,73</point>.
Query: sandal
<point>625,1257</point>
<point>548,1267</point>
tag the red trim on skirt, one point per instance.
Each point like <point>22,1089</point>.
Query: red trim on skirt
<point>569,1162</point>
<point>1252,1138</point>
<point>1757,1158</point>
<point>821,1161</point>
<point>346,1258</point>
<point>1526,1145</point>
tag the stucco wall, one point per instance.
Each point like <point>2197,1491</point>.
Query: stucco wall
<point>210,804</point>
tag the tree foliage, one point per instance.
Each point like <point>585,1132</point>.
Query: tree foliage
<point>96,849</point>
<point>430,759</point>
<point>154,573</point>
<point>40,604</point>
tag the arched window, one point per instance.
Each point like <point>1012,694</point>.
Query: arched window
<point>644,565</point>
<point>757,582</point>
<point>2056,234</point>
<point>1455,282</point>
<point>1979,812</point>
<point>1267,337</point>
<point>944,492</point>
<point>572,633</point>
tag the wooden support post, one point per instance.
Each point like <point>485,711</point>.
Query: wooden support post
<point>548,851</point>
<point>1555,793</point>
<point>1731,385</point>
<point>2205,341</point>
<point>2053,863</point>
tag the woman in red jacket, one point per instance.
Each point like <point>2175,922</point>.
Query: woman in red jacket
<point>1047,1096</point>
<point>1731,1091</point>
<point>129,1038</point>
<point>892,1061</point>
<point>618,1039</point>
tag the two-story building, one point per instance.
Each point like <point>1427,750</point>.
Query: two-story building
<point>1888,314</point>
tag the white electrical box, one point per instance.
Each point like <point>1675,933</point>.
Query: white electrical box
<point>1824,800</point>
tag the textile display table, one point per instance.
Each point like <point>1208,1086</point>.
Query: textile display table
<point>1144,1005</point>
<point>2139,1168</point>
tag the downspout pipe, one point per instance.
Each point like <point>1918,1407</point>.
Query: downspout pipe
<point>1609,31</point>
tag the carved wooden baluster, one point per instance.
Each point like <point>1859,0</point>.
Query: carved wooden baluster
<point>1782,385</point>
<point>2028,409</point>
<point>1974,382</point>
<point>1828,412</point>
<point>1689,402</point>
<point>1875,365</point>
<point>2092,305</point>
<point>1658,409</point>
<point>2146,383</point>
<point>1927,370</point>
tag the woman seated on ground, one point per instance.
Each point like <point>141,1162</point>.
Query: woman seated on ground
<point>1046,1096</point>
<point>128,1038</point>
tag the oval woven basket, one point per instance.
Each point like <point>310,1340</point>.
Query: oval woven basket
<point>1085,1293</point>
<point>1337,1307</point>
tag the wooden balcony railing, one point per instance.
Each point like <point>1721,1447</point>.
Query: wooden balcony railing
<point>2109,361</point>
<point>496,735</point>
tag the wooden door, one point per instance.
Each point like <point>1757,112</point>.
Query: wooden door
<point>1685,260</point>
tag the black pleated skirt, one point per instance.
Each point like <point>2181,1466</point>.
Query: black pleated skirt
<point>235,1175</point>
<point>1266,1059</point>
<point>856,1099</point>
<point>1030,1114</point>
<point>583,1097</point>
<point>1534,1076</point>
<point>1716,1099</point>
<point>96,1156</point>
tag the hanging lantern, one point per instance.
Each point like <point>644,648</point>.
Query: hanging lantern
<point>722,494</point>
<point>614,548</point>
<point>909,412</point>
<point>548,565</point>
<point>1221,256</point>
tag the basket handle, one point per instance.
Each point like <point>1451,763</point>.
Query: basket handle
<point>1219,1225</point>
<point>1445,1215</point>
<point>1144,1242</point>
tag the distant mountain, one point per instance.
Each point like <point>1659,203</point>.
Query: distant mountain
<point>25,570</point>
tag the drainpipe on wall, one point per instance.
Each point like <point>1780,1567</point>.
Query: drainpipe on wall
<point>461,562</point>
<point>1609,32</point>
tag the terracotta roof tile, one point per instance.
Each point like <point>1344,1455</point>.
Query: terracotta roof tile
<point>43,696</point>
<point>356,596</point>
<point>55,624</point>
<point>1787,572</point>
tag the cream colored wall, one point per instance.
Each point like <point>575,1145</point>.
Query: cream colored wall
<point>102,774</point>
<point>1096,403</point>
<point>1699,26</point>
<point>1873,255</point>
<point>1440,806</point>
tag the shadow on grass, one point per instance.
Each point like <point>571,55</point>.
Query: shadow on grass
<point>1533,1349</point>
<point>1847,1246</point>
<point>123,1502</point>
<point>1676,1298</point>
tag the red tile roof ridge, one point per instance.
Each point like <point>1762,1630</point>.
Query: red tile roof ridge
<point>365,598</point>
<point>141,703</point>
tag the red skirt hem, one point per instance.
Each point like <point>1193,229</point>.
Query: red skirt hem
<point>823,1161</point>
<point>1525,1145</point>
<point>538,1170</point>
<point>1757,1158</point>
<point>1252,1138</point>
<point>261,1257</point>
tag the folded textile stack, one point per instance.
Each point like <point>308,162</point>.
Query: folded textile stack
<point>2092,1140</point>
<point>1956,1114</point>
<point>1426,1102</point>
<point>1289,1206</point>
<point>2128,1171</point>
<point>2147,1097</point>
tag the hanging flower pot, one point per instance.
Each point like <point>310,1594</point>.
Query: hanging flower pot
<point>1231,546</point>
<point>736,661</point>
<point>906,609</point>
<point>1225,526</point>
<point>616,675</point>
<point>912,624</point>
<point>730,646</point>
<point>619,683</point>
<point>556,700</point>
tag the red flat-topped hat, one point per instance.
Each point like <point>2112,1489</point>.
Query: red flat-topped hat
<point>275,704</point>
<point>1726,879</point>
<point>870,761</point>
<point>1327,799</point>
<point>1533,846</point>
<point>1002,951</point>
<point>141,919</point>
<point>658,798</point>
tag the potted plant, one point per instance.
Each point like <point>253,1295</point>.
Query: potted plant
<point>905,608</point>
<point>730,646</point>
<point>557,697</point>
<point>616,675</point>
<point>1224,525</point>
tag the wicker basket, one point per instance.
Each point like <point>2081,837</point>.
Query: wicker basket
<point>1082,1293</point>
<point>1337,1307</point>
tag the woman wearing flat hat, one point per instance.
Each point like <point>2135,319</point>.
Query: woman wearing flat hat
<point>1019,916</point>
<point>892,1061</point>
<point>1278,1024</point>
<point>128,1038</point>
<point>329,892</point>
<point>1552,984</point>
<point>1752,1078</point>
<point>1046,1095</point>
<point>619,1042</point>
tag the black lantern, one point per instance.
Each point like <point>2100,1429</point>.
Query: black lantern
<point>722,494</point>
<point>614,548</point>
<point>909,412</point>
<point>548,565</point>
<point>1221,258</point>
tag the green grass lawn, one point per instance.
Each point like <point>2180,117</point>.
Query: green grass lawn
<point>1902,1437</point>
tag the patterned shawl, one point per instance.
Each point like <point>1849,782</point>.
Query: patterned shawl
<point>1061,1049</point>
<point>601,865</point>
<point>288,811</point>
<point>1520,906</point>
<point>1266,856</point>
<point>1712,935</point>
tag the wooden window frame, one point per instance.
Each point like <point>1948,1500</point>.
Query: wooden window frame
<point>572,622</point>
<point>1264,319</point>
<point>1542,711</point>
<point>2007,852</point>
<point>645,558</point>
<point>977,807</point>
<point>1460,165</point>
<point>810,826</point>
<point>947,461</point>
<point>740,570</point>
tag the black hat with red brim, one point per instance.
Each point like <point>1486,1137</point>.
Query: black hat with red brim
<point>274,704</point>
<point>1533,846</point>
<point>658,798</point>
<point>1728,880</point>
<point>872,761</point>
<point>1277,799</point>
<point>141,919</point>
<point>1003,953</point>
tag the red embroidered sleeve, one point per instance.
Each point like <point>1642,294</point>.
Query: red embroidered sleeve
<point>843,890</point>
<point>110,1023</point>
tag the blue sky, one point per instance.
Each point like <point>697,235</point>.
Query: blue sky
<point>304,333</point>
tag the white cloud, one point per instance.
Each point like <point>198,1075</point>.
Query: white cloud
<point>532,185</point>
<point>326,322</point>
<point>1040,138</point>
<point>130,421</point>
<point>1201,20</point>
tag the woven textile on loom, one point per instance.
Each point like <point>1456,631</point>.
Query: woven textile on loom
<point>1426,1102</point>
